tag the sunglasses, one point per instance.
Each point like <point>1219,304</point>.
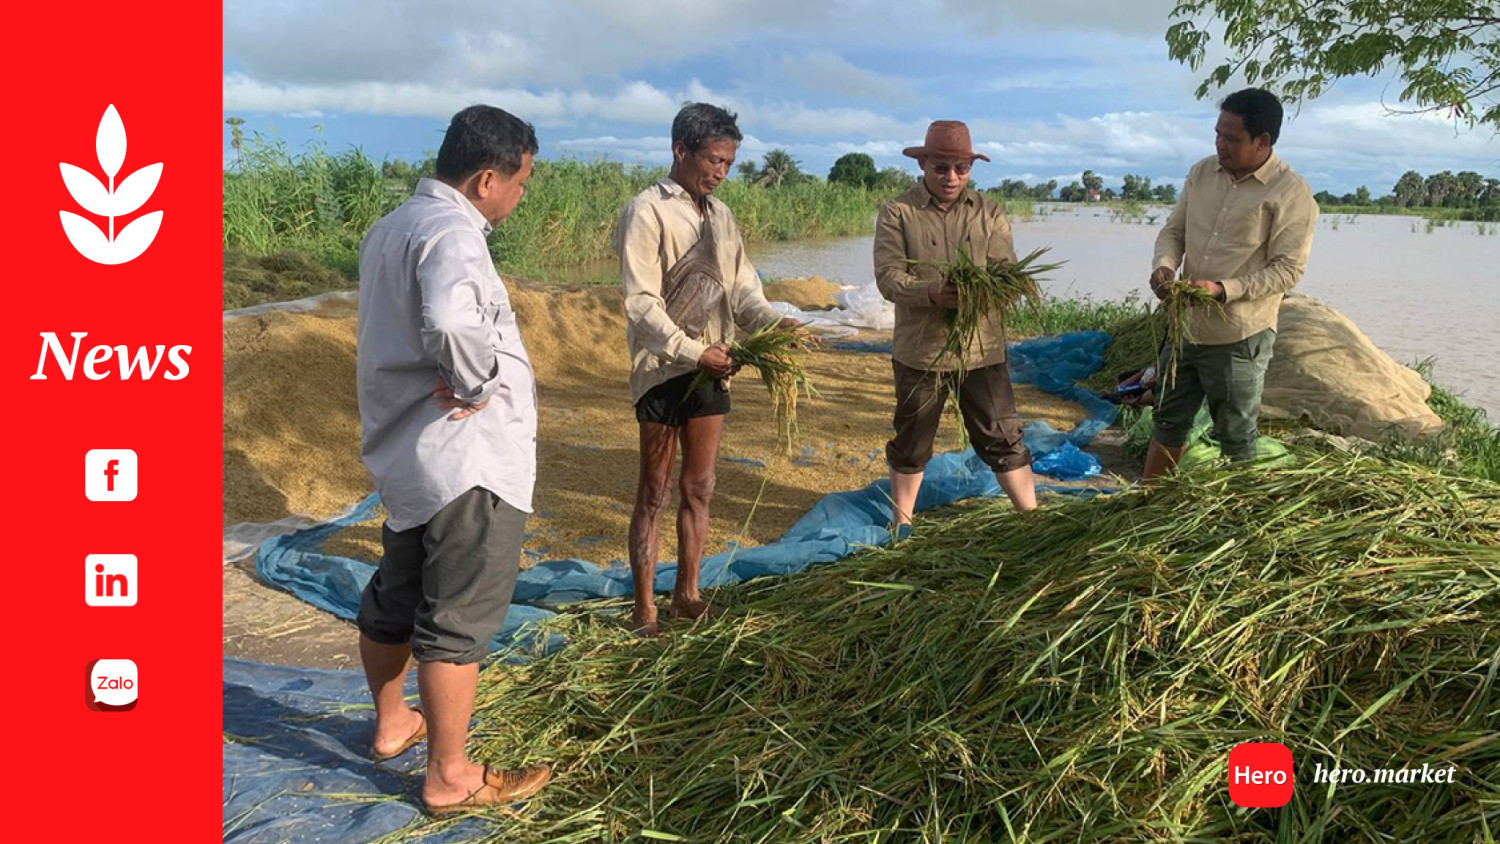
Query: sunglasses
<point>945,169</point>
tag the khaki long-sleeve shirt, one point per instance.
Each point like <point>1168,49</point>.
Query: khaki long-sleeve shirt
<point>912,227</point>
<point>1252,236</point>
<point>658,226</point>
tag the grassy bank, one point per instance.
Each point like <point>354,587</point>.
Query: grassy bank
<point>1435,214</point>
<point>320,205</point>
<point>1469,442</point>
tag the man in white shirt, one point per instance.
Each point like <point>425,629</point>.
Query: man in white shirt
<point>447,402</point>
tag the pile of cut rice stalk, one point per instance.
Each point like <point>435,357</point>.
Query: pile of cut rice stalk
<point>1075,674</point>
<point>997,288</point>
<point>1181,298</point>
<point>778,355</point>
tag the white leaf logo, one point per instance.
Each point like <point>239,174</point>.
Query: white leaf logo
<point>109,201</point>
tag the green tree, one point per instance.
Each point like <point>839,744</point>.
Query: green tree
<point>747,170</point>
<point>1012,188</point>
<point>1490,193</point>
<point>1447,51</point>
<point>894,180</point>
<point>778,168</point>
<point>1136,187</point>
<point>1323,197</point>
<point>1072,192</point>
<point>1440,188</point>
<point>1362,195</point>
<point>1166,193</point>
<point>1042,190</point>
<point>1468,188</point>
<point>856,169</point>
<point>1410,189</point>
<point>1092,181</point>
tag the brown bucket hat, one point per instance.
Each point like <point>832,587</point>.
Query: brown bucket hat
<point>949,138</point>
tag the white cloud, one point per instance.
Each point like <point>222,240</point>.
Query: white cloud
<point>479,42</point>
<point>829,72</point>
<point>636,102</point>
<point>820,79</point>
<point>1125,16</point>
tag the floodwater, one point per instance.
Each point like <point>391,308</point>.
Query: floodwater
<point>1417,292</point>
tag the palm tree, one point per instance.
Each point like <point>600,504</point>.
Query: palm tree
<point>776,168</point>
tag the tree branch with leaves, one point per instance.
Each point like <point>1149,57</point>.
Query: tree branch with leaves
<point>1446,51</point>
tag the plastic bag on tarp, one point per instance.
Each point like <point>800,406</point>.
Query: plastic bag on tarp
<point>1055,364</point>
<point>819,322</point>
<point>1205,452</point>
<point>1067,463</point>
<point>864,307</point>
<point>1202,450</point>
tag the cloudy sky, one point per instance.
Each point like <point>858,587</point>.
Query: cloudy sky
<point>1048,88</point>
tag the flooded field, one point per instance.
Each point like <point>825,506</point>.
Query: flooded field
<point>1418,291</point>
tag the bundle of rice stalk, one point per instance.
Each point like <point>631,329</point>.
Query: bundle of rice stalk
<point>1181,298</point>
<point>996,288</point>
<point>778,354</point>
<point>1076,674</point>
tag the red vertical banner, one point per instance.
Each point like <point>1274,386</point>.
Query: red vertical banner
<point>112,356</point>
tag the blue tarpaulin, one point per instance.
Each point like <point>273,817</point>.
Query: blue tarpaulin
<point>839,524</point>
<point>291,737</point>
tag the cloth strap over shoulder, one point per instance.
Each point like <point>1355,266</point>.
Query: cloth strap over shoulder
<point>694,286</point>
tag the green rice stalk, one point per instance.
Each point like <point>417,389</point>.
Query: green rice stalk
<point>778,354</point>
<point>1178,306</point>
<point>997,288</point>
<point>1076,674</point>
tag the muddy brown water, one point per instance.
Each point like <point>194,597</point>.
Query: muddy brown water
<point>1416,293</point>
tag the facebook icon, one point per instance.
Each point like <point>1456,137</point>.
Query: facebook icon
<point>109,474</point>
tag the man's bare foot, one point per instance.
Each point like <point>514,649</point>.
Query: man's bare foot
<point>441,788</point>
<point>694,609</point>
<point>395,734</point>
<point>643,622</point>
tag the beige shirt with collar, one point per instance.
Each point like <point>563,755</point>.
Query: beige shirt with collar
<point>1252,235</point>
<point>912,227</point>
<point>659,225</point>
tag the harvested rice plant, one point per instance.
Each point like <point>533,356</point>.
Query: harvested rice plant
<point>1076,675</point>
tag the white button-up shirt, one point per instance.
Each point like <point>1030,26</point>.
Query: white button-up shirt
<point>431,306</point>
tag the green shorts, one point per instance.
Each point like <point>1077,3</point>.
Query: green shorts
<point>1230,377</point>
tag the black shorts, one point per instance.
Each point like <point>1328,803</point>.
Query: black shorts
<point>670,403</point>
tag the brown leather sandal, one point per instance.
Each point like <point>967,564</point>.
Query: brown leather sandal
<point>501,787</point>
<point>415,739</point>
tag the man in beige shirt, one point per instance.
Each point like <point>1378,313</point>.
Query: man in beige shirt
<point>687,285</point>
<point>1242,230</point>
<point>930,224</point>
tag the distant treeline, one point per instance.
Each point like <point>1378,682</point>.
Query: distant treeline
<point>1473,196</point>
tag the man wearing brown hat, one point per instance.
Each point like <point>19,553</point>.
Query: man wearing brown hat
<point>930,224</point>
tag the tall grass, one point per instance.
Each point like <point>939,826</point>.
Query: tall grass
<point>1468,443</point>
<point>312,202</point>
<point>321,204</point>
<point>1057,316</point>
